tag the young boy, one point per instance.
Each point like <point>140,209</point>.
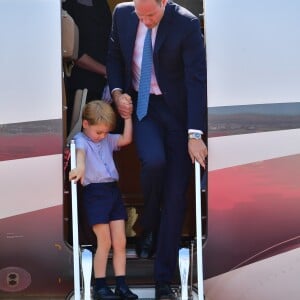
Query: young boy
<point>102,200</point>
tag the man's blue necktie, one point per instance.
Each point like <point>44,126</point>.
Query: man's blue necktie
<point>145,79</point>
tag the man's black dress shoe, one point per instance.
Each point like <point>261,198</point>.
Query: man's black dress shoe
<point>125,293</point>
<point>163,291</point>
<point>145,246</point>
<point>105,293</point>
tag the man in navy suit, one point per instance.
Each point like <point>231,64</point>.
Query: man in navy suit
<point>169,137</point>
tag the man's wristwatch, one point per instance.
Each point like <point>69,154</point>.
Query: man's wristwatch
<point>195,135</point>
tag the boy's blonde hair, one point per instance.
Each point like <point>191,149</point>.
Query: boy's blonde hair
<point>98,111</point>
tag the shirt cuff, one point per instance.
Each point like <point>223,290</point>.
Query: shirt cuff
<point>116,89</point>
<point>195,131</point>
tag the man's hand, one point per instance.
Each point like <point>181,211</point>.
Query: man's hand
<point>198,151</point>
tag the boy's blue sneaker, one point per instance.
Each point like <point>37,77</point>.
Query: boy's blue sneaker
<point>125,293</point>
<point>105,293</point>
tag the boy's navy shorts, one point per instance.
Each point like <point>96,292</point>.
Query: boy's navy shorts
<point>103,203</point>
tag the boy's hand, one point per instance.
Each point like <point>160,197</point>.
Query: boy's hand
<point>76,174</point>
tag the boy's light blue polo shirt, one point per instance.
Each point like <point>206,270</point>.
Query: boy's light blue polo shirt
<point>99,163</point>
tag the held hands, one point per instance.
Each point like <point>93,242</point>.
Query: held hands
<point>198,151</point>
<point>124,104</point>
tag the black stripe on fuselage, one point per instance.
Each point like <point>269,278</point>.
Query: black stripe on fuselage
<point>30,139</point>
<point>244,119</point>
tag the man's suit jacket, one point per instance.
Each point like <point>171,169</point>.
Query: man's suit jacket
<point>178,56</point>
